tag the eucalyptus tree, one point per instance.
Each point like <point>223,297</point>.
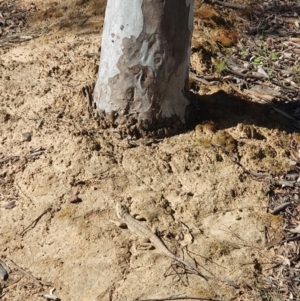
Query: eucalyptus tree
<point>144,67</point>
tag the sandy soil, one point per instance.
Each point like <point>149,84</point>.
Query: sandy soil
<point>206,208</point>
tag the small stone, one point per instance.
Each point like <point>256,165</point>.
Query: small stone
<point>40,122</point>
<point>60,114</point>
<point>74,199</point>
<point>26,136</point>
<point>117,135</point>
<point>205,128</point>
<point>10,205</point>
<point>3,273</point>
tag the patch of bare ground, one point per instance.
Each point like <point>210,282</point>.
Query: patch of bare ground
<point>207,191</point>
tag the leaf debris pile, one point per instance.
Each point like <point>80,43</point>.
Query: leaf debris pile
<point>252,48</point>
<point>12,18</point>
<point>253,51</point>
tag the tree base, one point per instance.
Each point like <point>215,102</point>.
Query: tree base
<point>144,67</point>
<point>132,128</point>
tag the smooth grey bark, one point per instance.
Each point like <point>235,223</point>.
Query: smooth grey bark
<point>144,66</point>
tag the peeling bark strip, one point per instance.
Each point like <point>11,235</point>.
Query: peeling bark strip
<point>144,66</point>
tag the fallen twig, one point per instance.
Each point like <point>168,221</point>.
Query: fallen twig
<point>280,208</point>
<point>33,224</point>
<point>35,152</point>
<point>281,241</point>
<point>231,5</point>
<point>180,298</point>
<point>205,80</point>
<point>26,273</point>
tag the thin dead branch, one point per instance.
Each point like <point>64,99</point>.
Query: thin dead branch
<point>231,5</point>
<point>180,298</point>
<point>26,273</point>
<point>35,221</point>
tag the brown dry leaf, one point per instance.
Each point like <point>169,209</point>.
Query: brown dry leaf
<point>296,40</point>
<point>206,12</point>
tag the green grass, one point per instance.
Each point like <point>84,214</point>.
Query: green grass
<point>264,57</point>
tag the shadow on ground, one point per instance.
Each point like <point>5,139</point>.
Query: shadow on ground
<point>227,110</point>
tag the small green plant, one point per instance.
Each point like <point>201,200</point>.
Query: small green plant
<point>219,65</point>
<point>274,56</point>
<point>256,61</point>
<point>243,52</point>
<point>262,50</point>
<point>264,57</point>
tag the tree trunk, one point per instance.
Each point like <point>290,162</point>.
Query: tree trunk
<point>144,67</point>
